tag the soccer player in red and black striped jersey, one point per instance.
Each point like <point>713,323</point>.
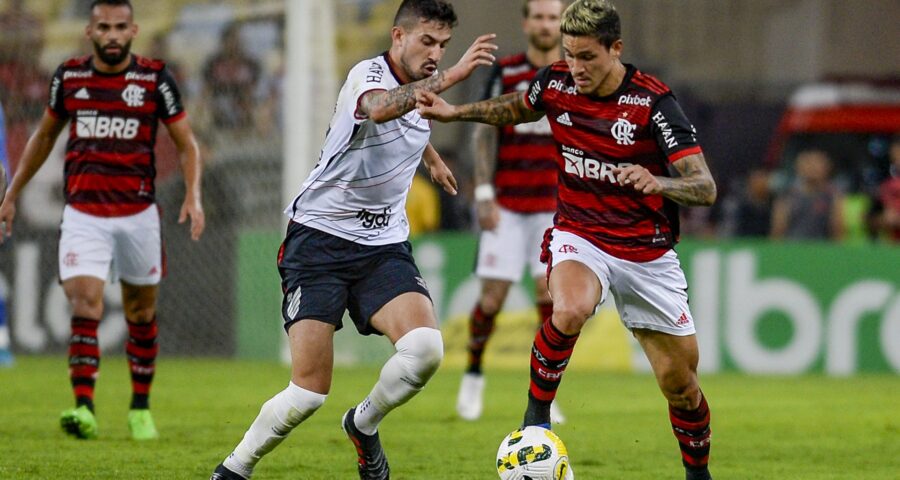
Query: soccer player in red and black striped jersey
<point>113,102</point>
<point>515,193</point>
<point>619,132</point>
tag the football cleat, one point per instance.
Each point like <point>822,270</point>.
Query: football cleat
<point>469,402</point>
<point>79,422</point>
<point>141,425</point>
<point>373,465</point>
<point>223,473</point>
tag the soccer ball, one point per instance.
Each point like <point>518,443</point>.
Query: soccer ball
<point>533,453</point>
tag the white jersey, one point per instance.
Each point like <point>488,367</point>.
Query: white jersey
<point>358,189</point>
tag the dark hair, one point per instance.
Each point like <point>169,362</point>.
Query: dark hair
<point>412,11</point>
<point>112,3</point>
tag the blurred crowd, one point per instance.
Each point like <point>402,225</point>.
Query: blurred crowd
<point>231,79</point>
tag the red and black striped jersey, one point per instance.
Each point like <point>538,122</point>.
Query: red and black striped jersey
<point>639,124</point>
<point>110,166</point>
<point>525,174</point>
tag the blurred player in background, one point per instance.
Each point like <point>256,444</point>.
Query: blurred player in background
<point>113,102</point>
<point>515,195</point>
<point>346,246</point>
<point>619,131</point>
<point>6,356</point>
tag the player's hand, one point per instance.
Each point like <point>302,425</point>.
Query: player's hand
<point>7,214</point>
<point>441,175</point>
<point>488,214</point>
<point>479,53</point>
<point>433,107</point>
<point>638,178</point>
<point>194,210</point>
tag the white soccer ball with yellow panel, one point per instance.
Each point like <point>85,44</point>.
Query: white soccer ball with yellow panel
<point>533,453</point>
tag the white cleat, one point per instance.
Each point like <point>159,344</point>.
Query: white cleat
<point>556,415</point>
<point>469,403</point>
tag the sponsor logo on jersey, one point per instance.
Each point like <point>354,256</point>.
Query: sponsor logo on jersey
<point>623,132</point>
<point>577,164</point>
<point>107,127</point>
<point>140,77</point>
<point>169,98</point>
<point>634,100</point>
<point>374,220</point>
<point>77,74</point>
<point>540,127</point>
<point>83,94</point>
<point>560,86</point>
<point>134,95</point>
<point>564,119</point>
<point>54,90</point>
<point>535,93</point>
<point>376,73</point>
<point>293,303</point>
<point>666,129</point>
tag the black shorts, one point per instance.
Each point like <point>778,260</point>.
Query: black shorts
<point>322,275</point>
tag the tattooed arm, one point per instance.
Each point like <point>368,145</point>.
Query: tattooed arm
<point>509,109</point>
<point>382,106</point>
<point>694,187</point>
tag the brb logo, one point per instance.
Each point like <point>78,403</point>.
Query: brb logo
<point>95,126</point>
<point>623,132</point>
<point>577,164</point>
<point>374,220</point>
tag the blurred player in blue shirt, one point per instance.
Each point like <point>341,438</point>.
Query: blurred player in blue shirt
<point>6,358</point>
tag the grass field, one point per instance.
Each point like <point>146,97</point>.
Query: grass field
<point>764,427</point>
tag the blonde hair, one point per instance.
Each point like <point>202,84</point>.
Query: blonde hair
<point>594,18</point>
<point>527,11</point>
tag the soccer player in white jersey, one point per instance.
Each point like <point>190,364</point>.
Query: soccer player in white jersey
<point>346,246</point>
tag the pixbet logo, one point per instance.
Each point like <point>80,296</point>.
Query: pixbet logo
<point>634,100</point>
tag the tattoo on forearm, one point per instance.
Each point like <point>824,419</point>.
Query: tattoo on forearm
<point>485,153</point>
<point>695,186</point>
<point>401,100</point>
<point>507,109</point>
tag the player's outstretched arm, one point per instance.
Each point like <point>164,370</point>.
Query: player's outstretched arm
<point>439,171</point>
<point>694,187</point>
<point>508,109</point>
<point>383,106</point>
<point>36,152</point>
<point>484,137</point>
<point>189,153</point>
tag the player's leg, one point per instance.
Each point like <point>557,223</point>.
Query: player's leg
<point>544,305</point>
<point>576,292</point>
<point>312,361</point>
<point>85,296</point>
<point>674,360</point>
<point>6,356</point>
<point>469,401</point>
<point>141,349</point>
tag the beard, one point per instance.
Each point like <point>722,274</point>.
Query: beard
<point>113,58</point>
<point>544,43</point>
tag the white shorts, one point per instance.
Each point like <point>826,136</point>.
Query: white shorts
<point>650,295</point>
<point>113,248</point>
<point>505,251</point>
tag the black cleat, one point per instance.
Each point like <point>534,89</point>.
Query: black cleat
<point>222,473</point>
<point>373,464</point>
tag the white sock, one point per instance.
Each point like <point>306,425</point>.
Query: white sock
<point>418,356</point>
<point>276,419</point>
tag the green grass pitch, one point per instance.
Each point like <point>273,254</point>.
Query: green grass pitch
<point>811,427</point>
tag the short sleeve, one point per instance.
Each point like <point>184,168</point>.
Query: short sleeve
<point>674,133</point>
<point>169,107</point>
<point>366,77</point>
<point>535,98</point>
<point>56,105</point>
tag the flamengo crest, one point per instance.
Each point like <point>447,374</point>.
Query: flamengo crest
<point>134,95</point>
<point>623,131</point>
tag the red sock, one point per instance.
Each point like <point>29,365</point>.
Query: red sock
<point>84,360</point>
<point>550,355</point>
<point>691,428</point>
<point>481,325</point>
<point>141,350</point>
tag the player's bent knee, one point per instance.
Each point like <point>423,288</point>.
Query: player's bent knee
<point>569,317</point>
<point>300,403</point>
<point>422,349</point>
